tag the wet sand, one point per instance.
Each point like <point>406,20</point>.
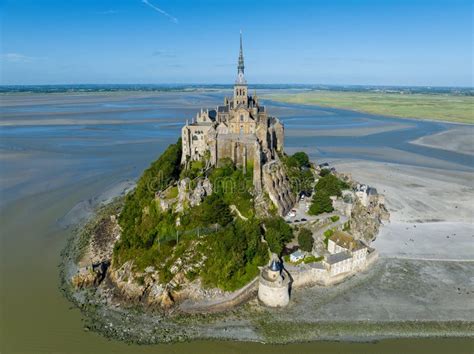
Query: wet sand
<point>457,139</point>
<point>53,176</point>
<point>431,210</point>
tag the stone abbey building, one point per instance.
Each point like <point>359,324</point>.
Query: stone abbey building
<point>242,130</point>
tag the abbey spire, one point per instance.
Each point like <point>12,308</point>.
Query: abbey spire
<point>241,67</point>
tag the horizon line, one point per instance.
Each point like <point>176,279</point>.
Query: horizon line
<point>231,84</point>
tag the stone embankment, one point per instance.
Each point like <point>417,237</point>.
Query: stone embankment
<point>221,303</point>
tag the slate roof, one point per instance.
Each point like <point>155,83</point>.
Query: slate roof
<point>337,257</point>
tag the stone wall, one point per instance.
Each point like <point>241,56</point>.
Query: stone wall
<point>277,185</point>
<point>274,293</point>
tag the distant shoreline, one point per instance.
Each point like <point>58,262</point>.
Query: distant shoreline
<point>78,88</point>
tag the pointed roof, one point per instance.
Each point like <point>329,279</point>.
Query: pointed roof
<point>241,66</point>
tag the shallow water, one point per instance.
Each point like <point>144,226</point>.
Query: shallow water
<point>46,169</point>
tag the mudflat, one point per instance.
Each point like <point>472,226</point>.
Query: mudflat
<point>53,175</point>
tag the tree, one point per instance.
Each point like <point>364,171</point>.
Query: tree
<point>213,210</point>
<point>321,203</point>
<point>301,158</point>
<point>305,240</point>
<point>277,234</point>
<point>324,172</point>
<point>233,256</point>
<point>330,184</point>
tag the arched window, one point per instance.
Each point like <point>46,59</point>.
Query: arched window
<point>241,117</point>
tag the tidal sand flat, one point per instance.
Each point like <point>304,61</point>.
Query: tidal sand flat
<point>457,139</point>
<point>431,210</point>
<point>52,171</point>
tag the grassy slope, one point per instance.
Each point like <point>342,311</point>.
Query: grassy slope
<point>420,106</point>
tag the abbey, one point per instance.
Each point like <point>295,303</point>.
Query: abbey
<point>241,130</point>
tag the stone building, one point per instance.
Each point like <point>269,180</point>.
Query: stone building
<point>338,263</point>
<point>346,253</point>
<point>274,285</point>
<point>242,131</point>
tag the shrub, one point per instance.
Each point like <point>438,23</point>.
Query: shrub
<point>329,184</point>
<point>324,172</point>
<point>347,226</point>
<point>328,233</point>
<point>321,203</point>
<point>305,240</point>
<point>233,256</point>
<point>312,259</point>
<point>277,234</point>
<point>297,168</point>
<point>334,218</point>
<point>301,159</point>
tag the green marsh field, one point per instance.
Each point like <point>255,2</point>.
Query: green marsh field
<point>442,107</point>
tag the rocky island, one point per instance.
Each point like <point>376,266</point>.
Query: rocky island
<point>223,221</point>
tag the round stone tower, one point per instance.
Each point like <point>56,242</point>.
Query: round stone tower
<point>274,285</point>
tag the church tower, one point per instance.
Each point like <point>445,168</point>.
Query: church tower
<point>240,87</point>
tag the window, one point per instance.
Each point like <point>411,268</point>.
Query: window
<point>241,117</point>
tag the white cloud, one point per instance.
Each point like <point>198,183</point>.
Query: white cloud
<point>107,12</point>
<point>17,58</point>
<point>172,18</point>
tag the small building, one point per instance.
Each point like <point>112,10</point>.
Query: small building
<point>274,285</point>
<point>342,242</point>
<point>338,263</point>
<point>296,256</point>
<point>366,194</point>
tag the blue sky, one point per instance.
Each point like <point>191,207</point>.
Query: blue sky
<point>380,42</point>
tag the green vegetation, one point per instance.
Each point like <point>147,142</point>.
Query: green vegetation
<point>347,226</point>
<point>335,218</point>
<point>231,248</point>
<point>278,233</point>
<point>234,186</point>
<point>195,170</point>
<point>321,203</point>
<point>234,256</point>
<point>307,259</point>
<point>447,107</point>
<point>327,234</point>
<point>305,240</point>
<point>312,259</point>
<point>332,185</point>
<point>141,220</point>
<point>324,172</point>
<point>327,186</point>
<point>299,172</point>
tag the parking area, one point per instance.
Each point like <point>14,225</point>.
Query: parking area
<point>300,214</point>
